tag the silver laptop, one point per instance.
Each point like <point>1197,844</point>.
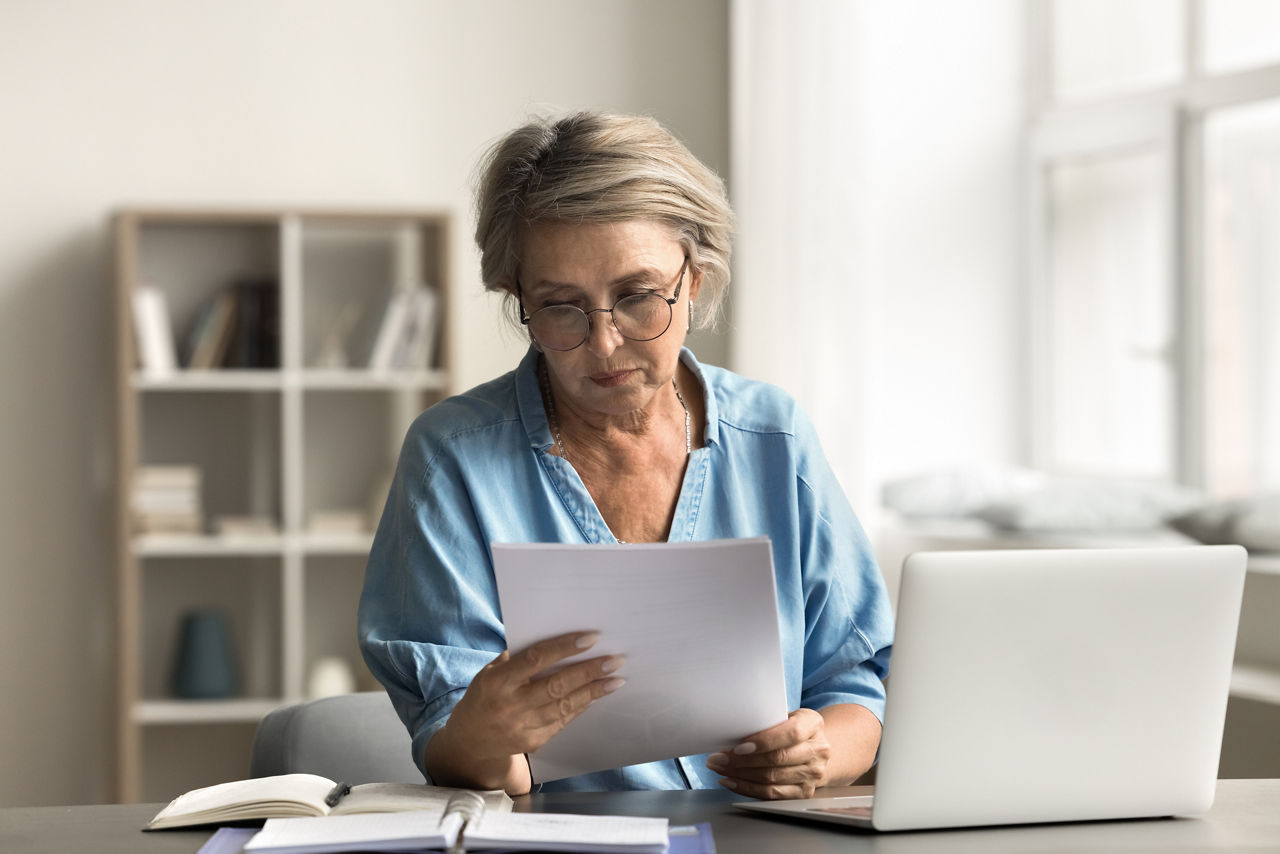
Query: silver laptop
<point>1051,685</point>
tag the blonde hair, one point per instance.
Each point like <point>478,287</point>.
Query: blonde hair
<point>599,168</point>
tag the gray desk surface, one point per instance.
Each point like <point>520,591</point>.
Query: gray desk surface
<point>1245,817</point>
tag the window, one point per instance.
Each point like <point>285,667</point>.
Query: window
<point>1154,178</point>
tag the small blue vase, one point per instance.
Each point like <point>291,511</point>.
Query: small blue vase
<point>205,668</point>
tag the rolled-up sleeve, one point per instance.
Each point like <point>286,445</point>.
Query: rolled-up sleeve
<point>848,618</point>
<point>427,617</point>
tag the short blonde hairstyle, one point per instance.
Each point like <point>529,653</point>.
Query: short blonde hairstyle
<point>599,168</point>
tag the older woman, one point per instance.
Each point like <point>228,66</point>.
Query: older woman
<point>609,240</point>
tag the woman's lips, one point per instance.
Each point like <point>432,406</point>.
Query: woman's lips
<point>609,380</point>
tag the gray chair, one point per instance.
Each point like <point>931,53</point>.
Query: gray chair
<point>354,738</point>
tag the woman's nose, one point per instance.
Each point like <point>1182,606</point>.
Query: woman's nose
<point>602,336</point>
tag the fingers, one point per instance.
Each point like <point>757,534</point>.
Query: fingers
<point>563,682</point>
<point>514,698</point>
<point>785,761</point>
<point>770,792</point>
<point>556,713</point>
<point>537,657</point>
<point>800,726</point>
<point>796,754</point>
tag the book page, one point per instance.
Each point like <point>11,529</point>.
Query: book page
<point>365,832</point>
<point>285,794</point>
<point>558,832</point>
<point>404,797</point>
<point>697,622</point>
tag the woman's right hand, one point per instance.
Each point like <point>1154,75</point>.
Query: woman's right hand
<point>510,709</point>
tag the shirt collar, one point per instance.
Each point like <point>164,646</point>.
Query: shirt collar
<point>534,414</point>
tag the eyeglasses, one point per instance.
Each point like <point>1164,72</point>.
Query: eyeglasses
<point>637,317</point>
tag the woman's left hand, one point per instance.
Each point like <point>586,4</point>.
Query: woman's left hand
<point>785,761</point>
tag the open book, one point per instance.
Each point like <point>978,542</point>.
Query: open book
<point>462,824</point>
<point>307,795</point>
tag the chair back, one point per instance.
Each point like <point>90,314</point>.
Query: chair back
<point>352,738</point>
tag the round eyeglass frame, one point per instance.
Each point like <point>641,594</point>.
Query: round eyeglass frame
<point>526,319</point>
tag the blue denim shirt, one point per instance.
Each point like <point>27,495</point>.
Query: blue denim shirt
<point>475,470</point>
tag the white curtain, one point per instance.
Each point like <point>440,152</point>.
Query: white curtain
<point>800,311</point>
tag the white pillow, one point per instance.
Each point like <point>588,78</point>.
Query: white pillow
<point>957,493</point>
<point>1093,505</point>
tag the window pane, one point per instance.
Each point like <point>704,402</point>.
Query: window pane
<point>1242,298</point>
<point>1240,34</point>
<point>1107,47</point>
<point>1109,317</point>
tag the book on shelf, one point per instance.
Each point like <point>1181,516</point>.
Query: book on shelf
<point>238,326</point>
<point>407,336</point>
<point>153,330</point>
<point>166,500</point>
<point>256,339</point>
<point>382,357</point>
<point>210,335</point>
<point>418,343</point>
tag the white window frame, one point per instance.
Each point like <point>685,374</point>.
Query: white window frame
<point>1172,119</point>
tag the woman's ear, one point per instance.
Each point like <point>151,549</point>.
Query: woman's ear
<point>695,284</point>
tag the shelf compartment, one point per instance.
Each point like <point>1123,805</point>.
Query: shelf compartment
<point>349,451</point>
<point>191,261</point>
<point>247,590</point>
<point>350,271</point>
<point>234,439</point>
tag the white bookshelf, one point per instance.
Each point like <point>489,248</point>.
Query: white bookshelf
<point>286,441</point>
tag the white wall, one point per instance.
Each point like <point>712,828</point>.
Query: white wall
<point>242,102</point>
<point>879,198</point>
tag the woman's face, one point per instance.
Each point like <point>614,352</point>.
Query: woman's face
<point>592,267</point>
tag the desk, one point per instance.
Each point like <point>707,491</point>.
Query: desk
<point>1245,816</point>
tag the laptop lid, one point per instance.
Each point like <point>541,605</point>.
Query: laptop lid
<point>1051,685</point>
<point>1057,685</point>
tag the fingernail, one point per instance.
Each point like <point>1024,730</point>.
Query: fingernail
<point>612,663</point>
<point>745,748</point>
<point>717,760</point>
<point>589,639</point>
<point>613,685</point>
<point>728,784</point>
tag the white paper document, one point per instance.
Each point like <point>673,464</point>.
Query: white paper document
<point>697,622</point>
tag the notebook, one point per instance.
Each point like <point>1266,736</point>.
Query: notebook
<point>1051,685</point>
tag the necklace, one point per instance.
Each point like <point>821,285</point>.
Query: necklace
<point>550,402</point>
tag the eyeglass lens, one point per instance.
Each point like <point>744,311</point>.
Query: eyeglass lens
<point>639,317</point>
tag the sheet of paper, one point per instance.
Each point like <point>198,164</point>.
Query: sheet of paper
<point>397,831</point>
<point>697,622</point>
<point>561,832</point>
